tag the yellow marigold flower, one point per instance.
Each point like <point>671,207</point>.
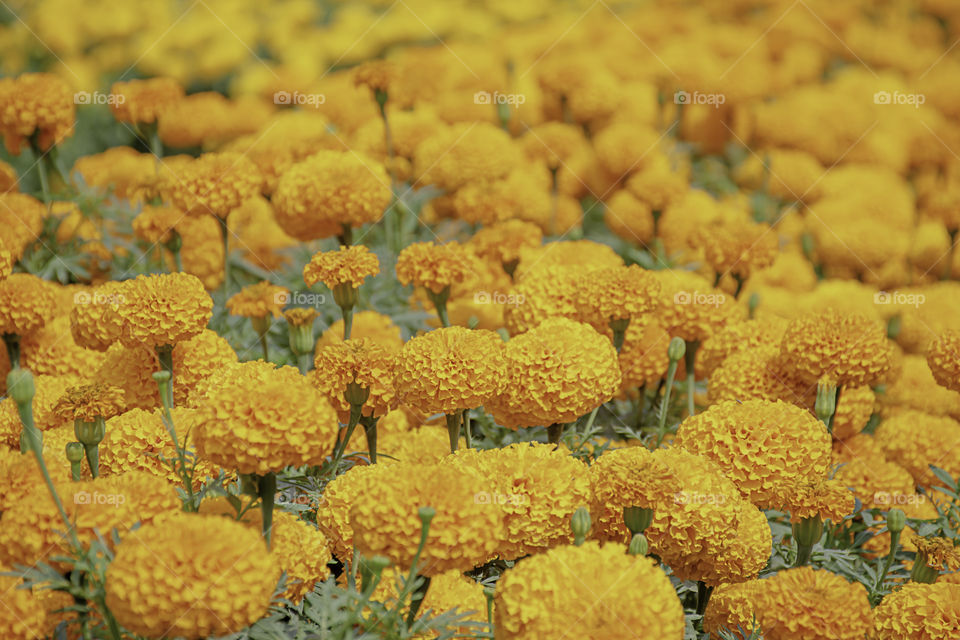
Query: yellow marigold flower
<point>622,147</point>
<point>763,447</point>
<point>214,183</point>
<point>9,181</point>
<point>847,349</point>
<point>463,534</point>
<point>465,153</point>
<point>154,224</point>
<point>251,373</point>
<point>554,143</point>
<point>576,253</point>
<point>6,263</point>
<point>916,388</point>
<point>737,247</point>
<point>853,411</point>
<point>359,362</point>
<point>818,498</point>
<point>629,217</point>
<point>26,304</point>
<point>706,531</point>
<point>350,265</point>
<point>171,579</point>
<point>208,119</point>
<point>425,445</point>
<point>555,373</point>
<point>298,547</point>
<point>23,615</point>
<point>522,194</point>
<point>691,308</point>
<point>643,357</point>
<point>433,266</point>
<point>571,591</point>
<point>258,300</point>
<point>339,496</point>
<point>503,242</point>
<point>89,402</point>
<point>259,237</point>
<point>919,612</point>
<point>144,100</point>
<point>371,325</point>
<point>162,310</point>
<point>52,351</point>
<point>736,337</point>
<point>316,198</point>
<point>375,74</point>
<point>944,359</point>
<point>616,293</point>
<point>300,317</point>
<point>549,292</point>
<point>260,426</point>
<point>940,553</point>
<point>660,182</point>
<point>794,604</point>
<point>94,321</point>
<point>32,529</point>
<point>35,104</point>
<point>48,390</point>
<point>759,372</point>
<point>21,222</point>
<point>20,474</point>
<point>537,486</point>
<point>452,590</point>
<point>450,369</point>
<point>135,439</point>
<point>915,440</point>
<point>621,478</point>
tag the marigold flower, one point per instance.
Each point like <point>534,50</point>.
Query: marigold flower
<point>251,373</point>
<point>433,266</point>
<point>89,402</point>
<point>847,349</point>
<point>737,247</point>
<point>503,242</point>
<point>450,369</point>
<point>616,293</point>
<point>300,317</point>
<point>348,266</point>
<point>944,359</point>
<point>853,412</point>
<point>316,198</point>
<point>155,224</point>
<point>918,611</point>
<point>537,486</point>
<point>463,534</point>
<point>375,74</point>
<point>214,183</point>
<point>794,604</point>
<point>21,222</point>
<point>339,496</point>
<point>691,308</point>
<point>425,445</point>
<point>23,615</point>
<point>94,321</point>
<point>52,351</point>
<point>35,104</point>
<point>549,293</point>
<point>555,373</point>
<point>144,100</point>
<point>465,153</point>
<point>915,440</point>
<point>575,253</point>
<point>763,447</point>
<point>26,304</point>
<point>629,217</point>
<point>371,325</point>
<point>734,338</point>
<point>573,590</point>
<point>258,300</point>
<point>940,553</point>
<point>359,362</point>
<point>168,579</point>
<point>47,391</point>
<point>162,310</point>
<point>818,498</point>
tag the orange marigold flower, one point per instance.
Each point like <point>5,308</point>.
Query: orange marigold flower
<point>300,317</point>
<point>819,498</point>
<point>375,74</point>
<point>214,183</point>
<point>432,266</point>
<point>23,615</point>
<point>21,222</point>
<point>616,293</point>
<point>736,247</point>
<point>162,310</point>
<point>154,224</point>
<point>643,356</point>
<point>918,611</point>
<point>359,362</point>
<point>258,300</point>
<point>915,440</point>
<point>26,304</point>
<point>734,338</point>
<point>938,553</point>
<point>465,153</point>
<point>142,101</point>
<point>35,104</point>
<point>374,326</point>
<point>89,402</point>
<point>944,359</point>
<point>503,242</point>
<point>348,266</point>
<point>691,308</point>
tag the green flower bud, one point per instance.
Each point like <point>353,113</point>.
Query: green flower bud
<point>426,514</point>
<point>20,386</point>
<point>826,403</point>
<point>637,519</point>
<point>580,524</point>
<point>638,545</point>
<point>74,452</point>
<point>301,338</point>
<point>896,520</point>
<point>356,395</point>
<point>345,295</point>
<point>808,531</point>
<point>676,349</point>
<point>90,433</point>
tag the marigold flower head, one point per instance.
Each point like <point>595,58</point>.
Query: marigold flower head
<point>503,242</point>
<point>629,217</point>
<point>433,266</point>
<point>23,614</point>
<point>549,293</point>
<point>733,338</point>
<point>846,349</point>
<point>853,411</point>
<point>915,440</point>
<point>258,300</point>
<point>52,351</point>
<point>737,247</point>
<point>537,486</point>
<point>371,325</point>
<point>555,373</point>
<point>144,100</point>
<point>359,362</point>
<point>466,153</point>
<point>259,426</point>
<point>463,534</point>
<point>554,143</point>
<point>691,308</point>
<point>35,104</point>
<point>425,445</point>
<point>21,222</point>
<point>316,198</point>
<point>168,579</point>
<point>763,447</point>
<point>32,529</point>
<point>26,304</point>
<point>819,498</point>
<point>250,373</point>
<point>47,391</point>
<point>450,369</point>
<point>543,596</point>
<point>574,253</point>
<point>155,224</point>
<point>339,496</point>
<point>163,309</point>
<point>918,611</point>
<point>350,265</point>
<point>621,478</point>
<point>794,604</point>
<point>944,359</point>
<point>616,293</point>
<point>89,402</point>
<point>214,183</point>
<point>375,74</point>
<point>300,317</point>
<point>940,553</point>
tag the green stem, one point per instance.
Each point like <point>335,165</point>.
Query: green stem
<point>426,515</point>
<point>689,359</point>
<point>93,459</point>
<point>355,412</point>
<point>948,270</point>
<point>804,551</point>
<point>662,427</point>
<point>370,427</point>
<point>454,421</point>
<point>347,322</point>
<point>182,469</point>
<point>165,356</point>
<point>554,433</point>
<point>268,492</point>
<point>263,345</point>
<point>466,429</point>
<point>44,179</point>
<point>304,362</point>
<point>888,562</point>
<point>703,596</point>
<point>225,233</point>
<point>12,342</point>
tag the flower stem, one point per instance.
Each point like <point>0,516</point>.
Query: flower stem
<point>268,492</point>
<point>347,322</point>
<point>554,433</point>
<point>466,429</point>
<point>662,426</point>
<point>355,412</point>
<point>370,427</point>
<point>165,356</point>
<point>12,342</point>
<point>703,596</point>
<point>454,421</point>
<point>225,233</point>
<point>689,358</point>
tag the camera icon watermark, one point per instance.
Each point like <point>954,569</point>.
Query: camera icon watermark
<point>98,97</point>
<point>95,497</point>
<point>485,97</point>
<point>712,99</point>
<point>300,298</point>
<point>84,298</point>
<point>898,97</point>
<point>886,498</point>
<point>297,98</point>
<point>899,298</point>
<point>498,297</point>
<point>696,297</point>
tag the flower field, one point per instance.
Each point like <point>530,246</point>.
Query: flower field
<point>529,320</point>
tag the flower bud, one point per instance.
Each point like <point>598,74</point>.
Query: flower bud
<point>826,403</point>
<point>676,349</point>
<point>20,386</point>
<point>580,523</point>
<point>808,531</point>
<point>426,514</point>
<point>345,295</point>
<point>896,520</point>
<point>301,338</point>
<point>74,452</point>
<point>638,545</point>
<point>90,433</point>
<point>637,519</point>
<point>355,395</point>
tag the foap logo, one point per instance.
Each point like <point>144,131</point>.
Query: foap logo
<point>899,97</point>
<point>297,98</point>
<point>694,498</point>
<point>98,97</point>
<point>83,298</point>
<point>899,298</point>
<point>485,97</point>
<point>300,298</point>
<point>696,297</point>
<point>498,297</point>
<point>887,498</point>
<point>293,497</point>
<point>95,497</point>
<point>486,497</point>
<point>712,99</point>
